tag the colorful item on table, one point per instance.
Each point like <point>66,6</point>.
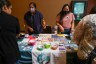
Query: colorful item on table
<point>40,47</point>
<point>60,35</point>
<point>38,42</point>
<point>44,39</point>
<point>54,36</point>
<point>51,39</point>
<point>30,37</point>
<point>62,40</point>
<point>32,42</point>
<point>67,46</point>
<point>54,46</point>
<point>26,35</point>
<point>47,45</point>
<point>39,39</point>
<point>25,40</point>
<point>45,35</point>
<point>62,47</point>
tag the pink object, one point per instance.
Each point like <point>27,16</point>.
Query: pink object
<point>32,40</point>
<point>30,37</point>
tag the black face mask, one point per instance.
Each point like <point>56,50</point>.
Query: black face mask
<point>65,12</point>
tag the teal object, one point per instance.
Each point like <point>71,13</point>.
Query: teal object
<point>42,58</point>
<point>40,49</point>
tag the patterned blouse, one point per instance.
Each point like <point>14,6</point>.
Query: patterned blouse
<point>85,36</point>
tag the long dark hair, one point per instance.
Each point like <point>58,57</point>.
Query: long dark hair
<point>62,13</point>
<point>3,3</point>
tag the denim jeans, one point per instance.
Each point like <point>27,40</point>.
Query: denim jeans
<point>66,31</point>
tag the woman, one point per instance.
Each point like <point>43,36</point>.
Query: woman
<point>34,20</point>
<point>9,29</point>
<point>65,20</point>
<point>85,37</point>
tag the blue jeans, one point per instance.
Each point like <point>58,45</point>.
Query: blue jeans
<point>66,31</point>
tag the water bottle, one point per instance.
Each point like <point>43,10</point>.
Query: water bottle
<point>71,36</point>
<point>55,29</point>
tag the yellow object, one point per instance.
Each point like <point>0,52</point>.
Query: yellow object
<point>61,35</point>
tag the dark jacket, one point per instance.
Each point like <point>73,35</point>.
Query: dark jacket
<point>34,21</point>
<point>9,27</point>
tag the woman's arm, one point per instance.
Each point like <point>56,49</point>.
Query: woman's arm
<point>43,24</point>
<point>60,27</point>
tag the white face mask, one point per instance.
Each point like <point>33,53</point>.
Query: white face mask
<point>32,9</point>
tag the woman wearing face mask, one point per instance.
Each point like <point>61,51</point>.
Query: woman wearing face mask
<point>65,20</point>
<point>9,29</point>
<point>34,20</point>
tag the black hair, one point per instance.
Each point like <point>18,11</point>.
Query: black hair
<point>65,6</point>
<point>93,10</point>
<point>34,4</point>
<point>61,13</point>
<point>3,3</point>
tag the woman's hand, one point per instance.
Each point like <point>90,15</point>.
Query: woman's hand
<point>72,30</point>
<point>60,27</point>
<point>31,29</point>
<point>57,24</point>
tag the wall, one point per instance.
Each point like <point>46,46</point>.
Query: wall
<point>91,3</point>
<point>49,8</point>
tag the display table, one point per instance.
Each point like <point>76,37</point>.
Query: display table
<point>46,56</point>
<point>33,54</point>
<point>25,51</point>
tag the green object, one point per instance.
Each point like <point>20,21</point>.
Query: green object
<point>40,49</point>
<point>47,46</point>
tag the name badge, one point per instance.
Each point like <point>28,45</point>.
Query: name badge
<point>67,17</point>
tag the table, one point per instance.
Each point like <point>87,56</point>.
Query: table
<point>47,56</point>
<point>30,54</point>
<point>25,51</point>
